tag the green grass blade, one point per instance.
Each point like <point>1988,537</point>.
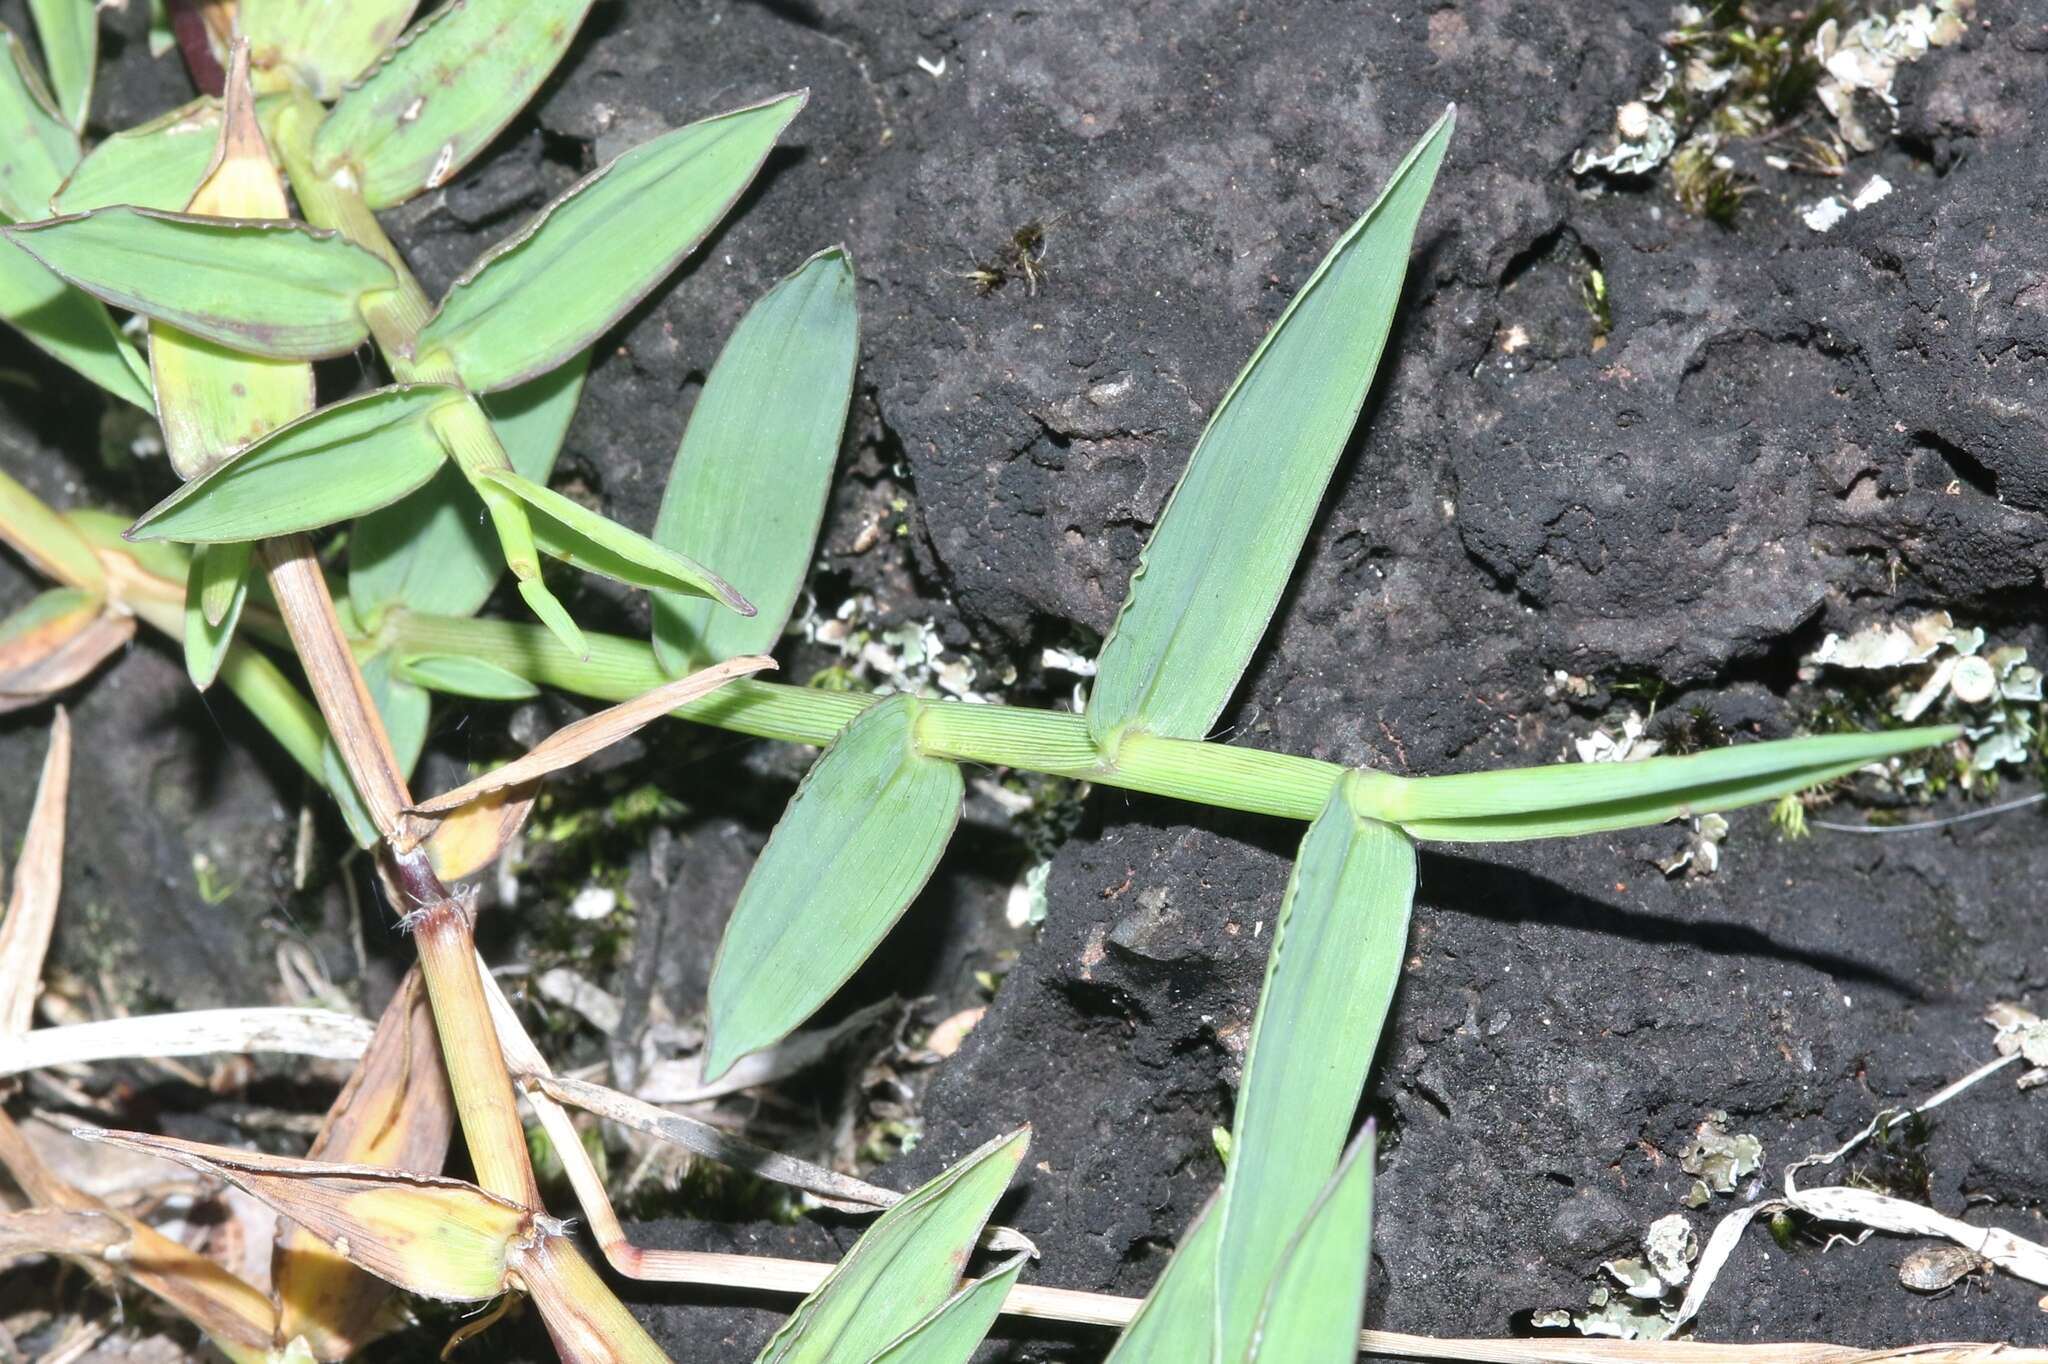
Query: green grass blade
<point>345,459</point>
<point>318,43</point>
<point>70,327</point>
<point>434,551</point>
<point>951,1334</point>
<point>577,535</point>
<point>41,147</point>
<point>1586,797</point>
<point>463,676</point>
<point>848,856</point>
<point>583,261</point>
<point>752,474</point>
<point>451,84</point>
<point>903,1268</point>
<point>1176,1324</point>
<point>1317,1301</point>
<point>152,165</point>
<point>1227,542</point>
<point>195,274</point>
<point>1600,817</point>
<point>1330,977</point>
<point>70,34</point>
<point>216,587</point>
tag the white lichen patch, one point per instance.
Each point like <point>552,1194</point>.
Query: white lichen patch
<point>909,658</point>
<point>1860,61</point>
<point>1994,693</point>
<point>1617,742</point>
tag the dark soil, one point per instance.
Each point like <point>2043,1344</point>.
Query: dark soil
<point>1782,432</point>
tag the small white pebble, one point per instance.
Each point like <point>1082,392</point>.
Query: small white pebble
<point>593,903</point>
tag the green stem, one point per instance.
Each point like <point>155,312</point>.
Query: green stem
<point>1053,742</point>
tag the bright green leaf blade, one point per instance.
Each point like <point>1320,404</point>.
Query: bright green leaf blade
<point>41,148</point>
<point>465,676</point>
<point>951,1334</point>
<point>577,535</point>
<point>219,573</point>
<point>554,615</point>
<point>195,274</point>
<point>851,852</point>
<point>225,580</point>
<point>70,34</point>
<point>588,257</point>
<point>1640,812</point>
<point>152,165</point>
<point>1567,786</point>
<point>1177,1322</point>
<point>903,1267</point>
<point>750,480</point>
<point>70,326</point>
<point>1226,544</point>
<point>1330,976</point>
<point>1317,1299</point>
<point>458,77</point>
<point>319,43</point>
<point>434,552</point>
<point>341,461</point>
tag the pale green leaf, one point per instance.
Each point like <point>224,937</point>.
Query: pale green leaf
<point>458,77</point>
<point>70,327</point>
<point>463,675</point>
<point>216,587</point>
<point>1316,1302</point>
<point>152,165</point>
<point>434,551</point>
<point>195,273</point>
<point>1582,798</point>
<point>855,846</point>
<point>1225,546</point>
<point>70,34</point>
<point>1176,1324</point>
<point>588,257</point>
<point>951,1334</point>
<point>1337,947</point>
<point>40,147</point>
<point>903,1268</point>
<point>751,477</point>
<point>577,535</point>
<point>322,44</point>
<point>344,460</point>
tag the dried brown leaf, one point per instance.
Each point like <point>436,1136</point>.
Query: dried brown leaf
<point>438,1237</point>
<point>38,879</point>
<point>394,1112</point>
<point>38,663</point>
<point>467,840</point>
<point>237,1317</point>
<point>574,742</point>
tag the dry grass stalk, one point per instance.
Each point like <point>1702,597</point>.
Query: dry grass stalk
<point>38,880</point>
<point>54,1231</point>
<point>301,592</point>
<point>200,1032</point>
